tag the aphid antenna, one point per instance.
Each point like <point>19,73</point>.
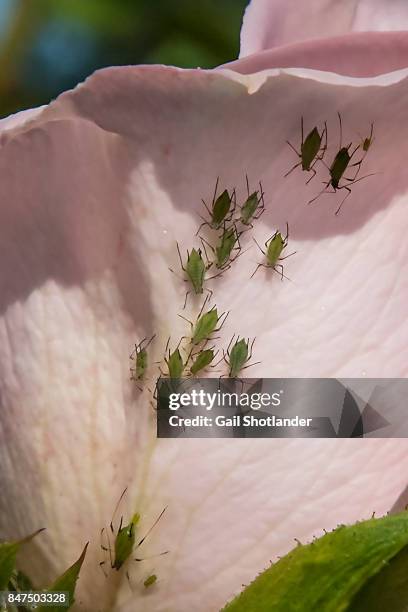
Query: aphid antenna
<point>216,187</point>
<point>152,527</point>
<point>137,348</point>
<point>116,509</point>
<point>341,130</point>
<point>166,552</point>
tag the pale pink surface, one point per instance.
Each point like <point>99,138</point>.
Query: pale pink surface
<point>365,54</point>
<point>95,190</point>
<point>272,23</point>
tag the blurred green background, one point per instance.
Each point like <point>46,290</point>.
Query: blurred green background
<point>48,46</point>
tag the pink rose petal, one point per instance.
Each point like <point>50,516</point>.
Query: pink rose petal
<point>365,54</point>
<point>95,191</point>
<point>272,23</point>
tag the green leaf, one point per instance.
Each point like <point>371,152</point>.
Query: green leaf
<point>337,572</point>
<point>8,555</point>
<point>66,582</point>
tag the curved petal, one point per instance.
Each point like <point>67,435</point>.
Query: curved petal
<point>366,54</point>
<point>94,194</point>
<point>271,23</point>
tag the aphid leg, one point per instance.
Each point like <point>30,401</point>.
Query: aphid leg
<point>344,199</point>
<point>261,207</point>
<point>293,167</point>
<point>221,271</point>
<point>179,254</point>
<point>106,548</point>
<point>348,187</point>
<point>281,274</point>
<point>324,147</point>
<point>259,246</point>
<point>261,265</point>
<point>250,349</point>
<point>203,224</point>
<point>313,175</point>
<point>101,564</point>
<point>286,256</point>
<point>324,190</point>
<point>287,234</point>
<point>185,301</point>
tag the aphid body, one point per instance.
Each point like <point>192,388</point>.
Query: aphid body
<point>249,208</point>
<point>195,270</point>
<point>125,541</point>
<point>175,364</point>
<point>221,208</point>
<point>150,581</point>
<point>311,150</point>
<point>140,358</point>
<point>274,247</point>
<point>339,166</point>
<point>203,359</point>
<point>237,356</point>
<point>223,251</point>
<point>205,326</point>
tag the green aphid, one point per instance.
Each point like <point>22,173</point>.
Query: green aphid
<point>124,539</point>
<point>311,150</point>
<point>206,324</point>
<point>339,166</point>
<point>203,360</point>
<point>175,364</point>
<point>253,207</point>
<point>238,356</point>
<point>274,248</point>
<point>368,141</point>
<point>150,581</point>
<point>229,239</point>
<point>222,208</point>
<point>195,269</point>
<point>140,359</point>
<point>228,243</point>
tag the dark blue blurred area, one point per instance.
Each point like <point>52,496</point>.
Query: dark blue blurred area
<point>48,46</point>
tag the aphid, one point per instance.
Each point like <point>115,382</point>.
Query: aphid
<point>228,242</point>
<point>124,539</point>
<point>140,358</point>
<point>150,581</point>
<point>222,208</point>
<point>311,150</point>
<point>274,248</point>
<point>203,360</point>
<point>237,356</point>
<point>206,324</point>
<point>368,141</point>
<point>195,270</point>
<point>175,364</point>
<point>339,166</point>
<point>253,207</point>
